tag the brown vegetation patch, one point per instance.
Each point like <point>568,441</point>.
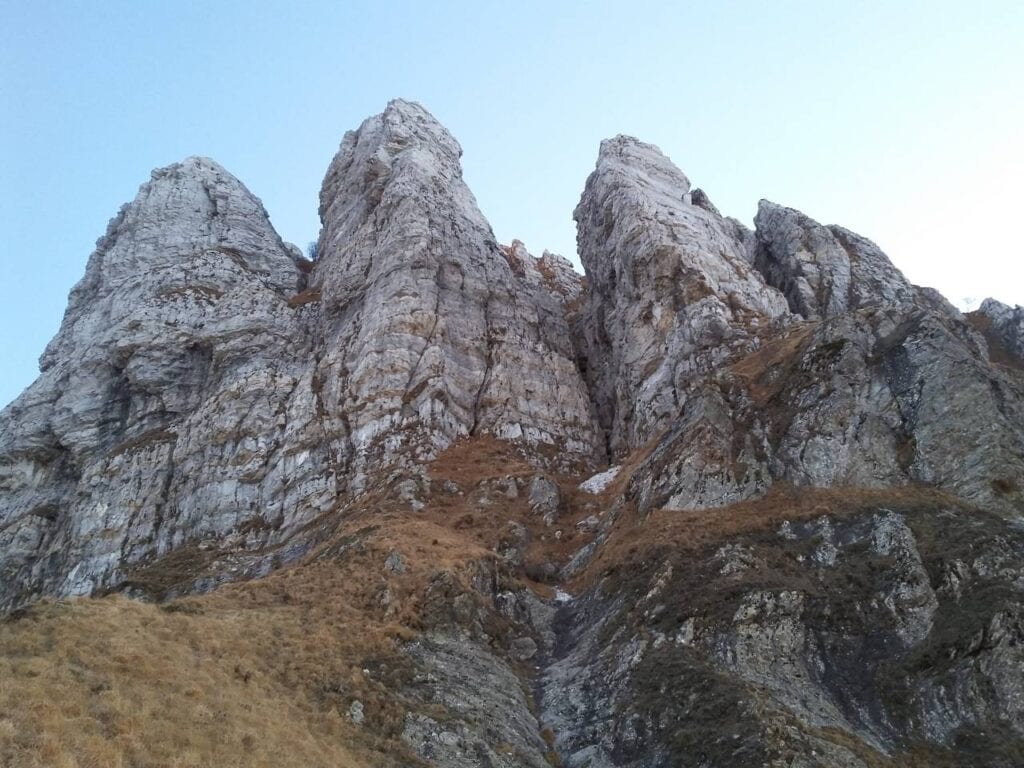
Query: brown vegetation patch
<point>308,296</point>
<point>637,537</point>
<point>176,570</point>
<point>998,353</point>
<point>768,370</point>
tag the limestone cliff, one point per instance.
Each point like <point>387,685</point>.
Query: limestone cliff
<point>734,497</point>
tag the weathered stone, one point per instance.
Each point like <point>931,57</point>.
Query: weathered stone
<point>523,648</point>
<point>356,712</point>
<point>431,332</point>
<point>395,563</point>
<point>823,271</point>
<point>1005,325</point>
<point>214,401</point>
<point>192,393</point>
<point>173,404</point>
<point>545,498</point>
<point>670,290</point>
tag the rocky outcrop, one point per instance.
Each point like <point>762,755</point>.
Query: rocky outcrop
<point>671,294</point>
<point>195,397</point>
<point>689,349</point>
<point>431,330</point>
<point>823,271</point>
<point>827,641</point>
<point>161,413</point>
<point>1003,327</point>
<point>807,552</point>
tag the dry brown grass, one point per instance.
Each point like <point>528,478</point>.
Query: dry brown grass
<point>635,536</point>
<point>767,370</point>
<point>263,673</point>
<point>255,674</point>
<point>308,296</point>
<point>118,683</point>
<point>260,673</point>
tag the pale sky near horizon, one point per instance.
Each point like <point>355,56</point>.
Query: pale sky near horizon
<point>903,121</point>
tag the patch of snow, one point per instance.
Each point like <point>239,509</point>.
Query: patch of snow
<point>599,482</point>
<point>562,597</point>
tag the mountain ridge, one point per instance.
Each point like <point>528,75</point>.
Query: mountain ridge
<point>757,464</point>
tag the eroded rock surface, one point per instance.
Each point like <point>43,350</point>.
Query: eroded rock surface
<point>1004,325</point>
<point>671,294</point>
<point>161,416</point>
<point>431,330</point>
<point>795,353</point>
<point>807,551</point>
<point>196,397</point>
<point>823,271</point>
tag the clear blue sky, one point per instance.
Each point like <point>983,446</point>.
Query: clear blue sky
<point>903,121</point>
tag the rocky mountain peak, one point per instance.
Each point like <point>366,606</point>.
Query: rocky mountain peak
<point>640,164</point>
<point>185,210</point>
<point>424,317</point>
<point>1003,328</point>
<point>806,549</point>
<point>671,289</point>
<point>403,148</point>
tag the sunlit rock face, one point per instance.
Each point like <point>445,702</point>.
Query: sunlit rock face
<point>431,331</point>
<point>161,413</point>
<point>796,352</point>
<point>823,271</point>
<point>735,496</point>
<point>195,395</point>
<point>671,293</point>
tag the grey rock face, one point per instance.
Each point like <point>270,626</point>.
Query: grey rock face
<point>194,397</point>
<point>713,654</point>
<point>489,719</point>
<point>545,499</point>
<point>687,343</point>
<point>431,331</point>
<point>823,271</point>
<point>1006,325</point>
<point>670,290</point>
<point>162,412</point>
<point>874,398</point>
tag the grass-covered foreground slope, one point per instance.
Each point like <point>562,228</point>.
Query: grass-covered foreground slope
<point>810,627</point>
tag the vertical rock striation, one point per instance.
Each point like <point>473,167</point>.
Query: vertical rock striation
<point>196,398</point>
<point>431,331</point>
<point>795,353</point>
<point>823,271</point>
<point>671,291</point>
<point>157,417</point>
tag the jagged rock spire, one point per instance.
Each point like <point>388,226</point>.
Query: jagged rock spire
<point>1003,326</point>
<point>193,397</point>
<point>430,330</point>
<point>177,350</point>
<point>669,285</point>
